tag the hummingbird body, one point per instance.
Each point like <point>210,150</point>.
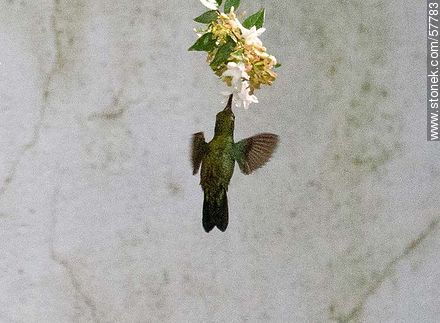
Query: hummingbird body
<point>217,159</point>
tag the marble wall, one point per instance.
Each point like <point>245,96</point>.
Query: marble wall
<point>100,217</point>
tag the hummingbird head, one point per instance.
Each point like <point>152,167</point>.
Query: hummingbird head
<point>225,119</point>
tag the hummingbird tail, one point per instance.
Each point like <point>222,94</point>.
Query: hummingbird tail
<point>215,212</point>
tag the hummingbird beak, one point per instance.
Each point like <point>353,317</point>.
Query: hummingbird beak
<point>229,104</point>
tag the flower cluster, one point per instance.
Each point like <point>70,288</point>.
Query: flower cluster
<point>235,52</point>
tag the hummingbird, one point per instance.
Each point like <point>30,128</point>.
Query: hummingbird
<point>217,159</point>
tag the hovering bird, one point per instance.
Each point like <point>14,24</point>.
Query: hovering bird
<point>218,159</point>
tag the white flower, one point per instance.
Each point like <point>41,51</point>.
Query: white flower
<point>251,35</point>
<point>240,88</point>
<point>237,72</point>
<point>274,60</point>
<point>242,97</point>
<point>245,97</point>
<point>210,4</point>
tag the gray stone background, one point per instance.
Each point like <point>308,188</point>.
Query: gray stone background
<point>100,217</point>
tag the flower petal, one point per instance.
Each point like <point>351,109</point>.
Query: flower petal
<point>245,97</point>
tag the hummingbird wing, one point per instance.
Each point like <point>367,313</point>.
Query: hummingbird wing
<point>198,150</point>
<point>254,152</point>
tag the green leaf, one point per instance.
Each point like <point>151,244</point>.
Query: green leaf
<point>277,65</point>
<point>231,3</point>
<point>207,17</point>
<point>219,2</point>
<point>205,43</point>
<point>223,53</point>
<point>257,20</point>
